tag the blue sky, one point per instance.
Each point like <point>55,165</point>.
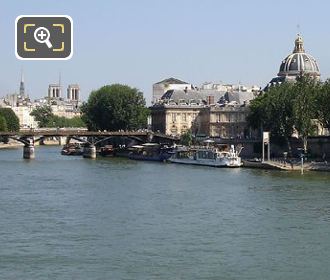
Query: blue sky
<point>141,42</point>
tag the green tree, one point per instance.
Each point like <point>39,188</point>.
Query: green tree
<point>289,107</point>
<point>305,107</point>
<point>258,117</point>
<point>115,107</point>
<point>46,118</point>
<point>323,98</point>
<point>3,124</point>
<point>56,121</point>
<point>274,111</point>
<point>43,115</point>
<point>186,138</point>
<point>12,120</point>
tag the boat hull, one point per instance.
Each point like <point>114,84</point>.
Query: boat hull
<point>72,150</point>
<point>205,163</point>
<point>149,158</point>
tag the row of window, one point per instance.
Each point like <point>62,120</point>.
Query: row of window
<point>183,116</point>
<point>230,117</point>
<point>220,117</point>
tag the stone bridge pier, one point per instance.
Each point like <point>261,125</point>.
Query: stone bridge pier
<point>28,148</point>
<point>89,151</point>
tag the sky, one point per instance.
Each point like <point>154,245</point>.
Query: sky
<point>142,42</point>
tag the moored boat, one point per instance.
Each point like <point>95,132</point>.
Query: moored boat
<point>72,149</point>
<point>150,152</point>
<point>207,156</point>
<point>107,151</point>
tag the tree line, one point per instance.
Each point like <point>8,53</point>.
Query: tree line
<point>292,107</point>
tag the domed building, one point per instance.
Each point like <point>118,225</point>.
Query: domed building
<point>297,63</point>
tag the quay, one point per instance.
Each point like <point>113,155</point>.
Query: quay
<point>29,138</point>
<point>286,166</point>
<point>271,164</point>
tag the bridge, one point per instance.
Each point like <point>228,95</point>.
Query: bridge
<point>89,138</point>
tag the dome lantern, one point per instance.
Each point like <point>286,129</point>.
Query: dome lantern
<point>299,45</point>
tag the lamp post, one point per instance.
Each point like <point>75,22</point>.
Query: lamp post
<point>265,141</point>
<point>302,159</point>
<point>285,155</point>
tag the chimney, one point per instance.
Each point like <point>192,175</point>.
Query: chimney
<point>210,100</point>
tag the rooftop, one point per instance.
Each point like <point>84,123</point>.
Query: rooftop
<point>172,81</point>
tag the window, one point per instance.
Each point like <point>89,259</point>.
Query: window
<point>173,117</point>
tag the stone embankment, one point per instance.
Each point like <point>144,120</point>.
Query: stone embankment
<point>286,166</point>
<point>11,145</point>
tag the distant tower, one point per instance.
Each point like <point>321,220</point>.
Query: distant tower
<point>22,86</point>
<point>54,91</point>
<point>73,93</point>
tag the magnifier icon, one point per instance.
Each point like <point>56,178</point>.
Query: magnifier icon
<point>41,35</point>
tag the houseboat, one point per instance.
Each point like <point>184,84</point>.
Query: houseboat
<point>150,152</point>
<point>72,149</point>
<point>208,156</point>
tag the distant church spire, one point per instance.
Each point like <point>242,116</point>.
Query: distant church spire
<point>22,86</point>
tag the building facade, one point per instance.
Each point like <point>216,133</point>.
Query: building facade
<point>226,122</point>
<point>205,112</point>
<point>178,119</point>
<point>229,122</point>
<point>24,115</point>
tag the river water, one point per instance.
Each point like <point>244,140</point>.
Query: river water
<point>73,218</point>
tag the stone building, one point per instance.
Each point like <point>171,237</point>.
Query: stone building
<point>295,64</point>
<point>54,91</point>
<point>158,89</point>
<point>204,112</point>
<point>178,119</point>
<point>229,121</point>
<point>73,93</point>
<point>23,114</point>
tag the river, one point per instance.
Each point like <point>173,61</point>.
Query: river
<point>73,218</point>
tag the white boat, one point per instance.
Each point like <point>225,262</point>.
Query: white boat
<point>208,156</point>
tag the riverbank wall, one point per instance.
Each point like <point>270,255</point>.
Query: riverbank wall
<point>318,147</point>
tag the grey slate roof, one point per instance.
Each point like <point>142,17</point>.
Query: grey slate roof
<point>180,96</point>
<point>239,97</point>
<point>201,96</point>
<point>172,81</point>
